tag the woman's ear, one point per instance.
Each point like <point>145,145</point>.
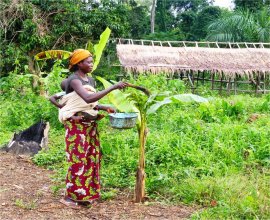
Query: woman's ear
<point>79,64</point>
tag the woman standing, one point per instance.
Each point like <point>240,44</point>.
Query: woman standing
<point>82,140</point>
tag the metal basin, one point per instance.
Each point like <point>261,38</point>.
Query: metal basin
<point>123,120</point>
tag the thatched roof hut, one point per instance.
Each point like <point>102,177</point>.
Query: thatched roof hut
<point>229,61</point>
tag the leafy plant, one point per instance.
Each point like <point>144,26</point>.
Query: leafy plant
<point>53,54</point>
<point>145,105</point>
<point>97,49</point>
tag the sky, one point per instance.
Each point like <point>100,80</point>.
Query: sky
<point>224,3</point>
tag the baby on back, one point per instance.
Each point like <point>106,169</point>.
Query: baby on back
<point>71,104</point>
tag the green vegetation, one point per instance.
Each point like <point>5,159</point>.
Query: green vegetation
<point>25,205</point>
<point>215,155</point>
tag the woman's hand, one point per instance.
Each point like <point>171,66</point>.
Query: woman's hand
<point>110,110</point>
<point>120,85</point>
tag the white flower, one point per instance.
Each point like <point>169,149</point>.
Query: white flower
<point>82,138</point>
<point>80,191</point>
<point>80,172</point>
<point>69,185</point>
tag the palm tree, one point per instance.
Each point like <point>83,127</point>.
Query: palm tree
<point>241,26</point>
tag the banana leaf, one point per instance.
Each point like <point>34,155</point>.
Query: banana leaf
<point>90,47</point>
<point>98,48</point>
<point>53,54</point>
<point>153,108</point>
<point>176,98</point>
<point>188,98</point>
<point>118,98</point>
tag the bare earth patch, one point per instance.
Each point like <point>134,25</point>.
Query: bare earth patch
<point>25,193</point>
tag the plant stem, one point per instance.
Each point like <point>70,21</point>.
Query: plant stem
<point>140,175</point>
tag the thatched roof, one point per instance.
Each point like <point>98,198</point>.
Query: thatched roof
<point>230,61</point>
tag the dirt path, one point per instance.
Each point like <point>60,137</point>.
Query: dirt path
<point>25,193</point>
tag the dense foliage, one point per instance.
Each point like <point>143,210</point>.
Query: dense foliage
<point>28,27</point>
<point>215,155</point>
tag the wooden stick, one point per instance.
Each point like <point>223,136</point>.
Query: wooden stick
<point>146,91</point>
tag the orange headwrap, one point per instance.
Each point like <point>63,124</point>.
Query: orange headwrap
<point>77,56</point>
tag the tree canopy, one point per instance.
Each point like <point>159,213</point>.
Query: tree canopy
<point>31,26</point>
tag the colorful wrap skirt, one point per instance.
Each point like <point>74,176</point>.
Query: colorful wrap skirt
<point>83,155</point>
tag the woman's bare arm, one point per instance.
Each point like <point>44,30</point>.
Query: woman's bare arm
<point>89,98</point>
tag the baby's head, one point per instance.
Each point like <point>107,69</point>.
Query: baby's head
<point>63,84</point>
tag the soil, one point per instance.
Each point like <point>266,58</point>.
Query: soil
<point>25,193</point>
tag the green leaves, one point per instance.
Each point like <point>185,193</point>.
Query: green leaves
<point>153,108</point>
<point>98,48</point>
<point>53,54</point>
<point>188,98</point>
<point>176,98</point>
<point>240,26</point>
<point>127,103</point>
<point>120,100</point>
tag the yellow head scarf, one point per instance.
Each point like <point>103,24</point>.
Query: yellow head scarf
<point>77,56</point>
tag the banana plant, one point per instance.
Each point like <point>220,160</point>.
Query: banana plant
<point>97,49</point>
<point>145,104</point>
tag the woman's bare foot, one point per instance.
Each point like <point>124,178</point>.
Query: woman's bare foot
<point>70,203</point>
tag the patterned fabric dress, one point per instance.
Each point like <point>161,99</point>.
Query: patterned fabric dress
<point>84,155</point>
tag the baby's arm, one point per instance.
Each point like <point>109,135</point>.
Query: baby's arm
<point>53,99</point>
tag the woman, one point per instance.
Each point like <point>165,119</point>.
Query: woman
<point>82,141</point>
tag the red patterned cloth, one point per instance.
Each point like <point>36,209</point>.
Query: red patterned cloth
<point>84,155</point>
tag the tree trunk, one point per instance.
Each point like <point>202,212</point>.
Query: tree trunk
<point>140,175</point>
<point>153,14</point>
<point>37,84</point>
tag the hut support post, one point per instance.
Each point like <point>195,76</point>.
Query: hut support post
<point>229,86</point>
<point>212,80</point>
<point>221,81</point>
<point>191,83</point>
<point>257,85</point>
<point>197,83</point>
<point>203,77</point>
<point>234,85</point>
<point>264,83</point>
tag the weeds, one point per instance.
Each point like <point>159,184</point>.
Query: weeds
<point>25,205</point>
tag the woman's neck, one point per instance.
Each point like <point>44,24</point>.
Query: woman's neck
<point>82,75</point>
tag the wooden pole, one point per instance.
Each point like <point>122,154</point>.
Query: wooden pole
<point>198,74</point>
<point>229,86</point>
<point>234,85</point>
<point>203,77</point>
<point>212,79</point>
<point>258,84</point>
<point>264,83</point>
<point>220,88</point>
